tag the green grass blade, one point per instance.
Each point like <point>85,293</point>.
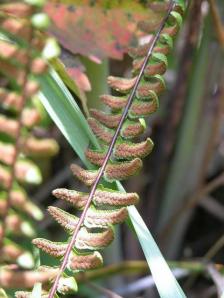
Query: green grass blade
<point>64,111</point>
<point>69,119</point>
<point>166,283</point>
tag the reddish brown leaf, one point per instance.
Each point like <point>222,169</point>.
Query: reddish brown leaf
<point>95,31</point>
<point>80,78</point>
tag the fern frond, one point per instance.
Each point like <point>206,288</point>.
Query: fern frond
<point>96,218</point>
<point>120,156</point>
<point>122,170</point>
<point>65,219</point>
<point>55,249</point>
<point>86,176</point>
<point>85,261</point>
<point>76,198</point>
<point>122,150</point>
<point>92,241</point>
<point>103,197</point>
<point>21,61</point>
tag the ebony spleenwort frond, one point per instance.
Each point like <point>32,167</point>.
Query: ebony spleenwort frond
<point>119,157</point>
<point>23,80</point>
<point>103,197</point>
<point>21,61</point>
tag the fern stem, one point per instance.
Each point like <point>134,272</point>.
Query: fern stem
<point>17,144</point>
<point>110,149</point>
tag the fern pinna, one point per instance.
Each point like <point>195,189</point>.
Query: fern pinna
<point>20,60</point>
<point>119,158</point>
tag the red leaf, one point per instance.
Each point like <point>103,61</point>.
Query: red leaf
<point>97,32</point>
<point>80,78</point>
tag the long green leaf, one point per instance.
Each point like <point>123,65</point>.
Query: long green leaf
<point>64,111</point>
<point>166,283</point>
<point>69,119</point>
